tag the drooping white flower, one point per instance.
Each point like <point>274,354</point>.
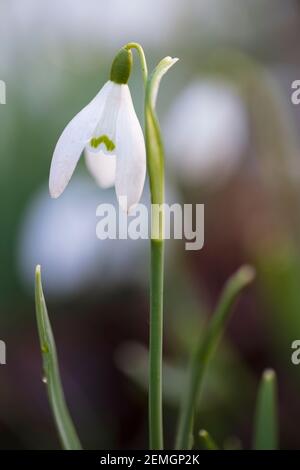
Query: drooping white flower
<point>109,132</point>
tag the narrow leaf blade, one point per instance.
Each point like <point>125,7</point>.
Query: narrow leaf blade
<point>266,414</point>
<point>207,442</point>
<point>51,377</point>
<point>205,349</point>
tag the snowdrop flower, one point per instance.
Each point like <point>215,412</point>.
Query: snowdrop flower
<point>109,132</point>
<point>212,119</point>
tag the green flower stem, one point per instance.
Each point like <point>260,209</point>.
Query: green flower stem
<point>266,415</point>
<point>156,344</point>
<point>63,421</point>
<point>156,176</point>
<point>205,350</point>
<point>140,51</point>
<point>155,161</point>
<point>155,164</point>
<point>207,441</point>
<point>154,153</point>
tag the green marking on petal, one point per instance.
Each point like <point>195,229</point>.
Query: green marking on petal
<point>103,139</point>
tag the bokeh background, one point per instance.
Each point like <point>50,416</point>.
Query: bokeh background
<point>232,142</point>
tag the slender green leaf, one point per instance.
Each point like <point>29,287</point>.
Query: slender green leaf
<point>266,414</point>
<point>204,351</point>
<point>51,377</point>
<point>207,441</point>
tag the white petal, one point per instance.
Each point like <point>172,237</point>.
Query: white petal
<point>106,127</point>
<point>73,140</point>
<point>131,154</point>
<point>102,167</point>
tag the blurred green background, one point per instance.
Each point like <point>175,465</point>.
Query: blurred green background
<point>232,142</point>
